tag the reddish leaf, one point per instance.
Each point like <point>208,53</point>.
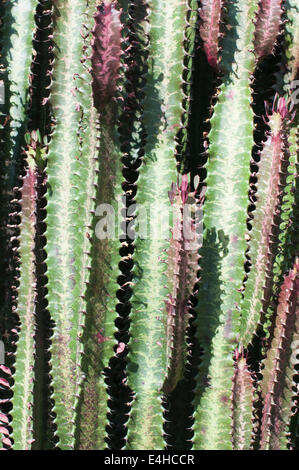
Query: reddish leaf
<point>4,382</point>
<point>4,418</point>
<point>4,431</point>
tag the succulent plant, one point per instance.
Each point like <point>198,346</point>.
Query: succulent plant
<point>149,289</point>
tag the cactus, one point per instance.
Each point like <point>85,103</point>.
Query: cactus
<point>133,268</point>
<point>210,14</point>
<point>98,338</point>
<point>267,26</point>
<point>242,404</point>
<point>224,230</point>
<point>277,383</point>
<point>22,413</point>
<point>68,244</point>
<point>272,174</point>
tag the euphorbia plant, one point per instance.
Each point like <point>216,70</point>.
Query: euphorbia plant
<point>105,306</point>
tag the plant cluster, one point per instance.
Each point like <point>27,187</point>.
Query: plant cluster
<point>117,340</point>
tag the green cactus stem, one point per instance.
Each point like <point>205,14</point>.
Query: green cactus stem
<point>272,175</point>
<point>242,405</point>
<point>17,29</point>
<point>189,44</point>
<point>292,40</point>
<point>182,261</point>
<point>288,240</point>
<point>277,386</point>
<point>162,116</point>
<point>70,205</point>
<point>23,400</point>
<point>224,245</point>
<point>99,335</point>
<point>143,309</point>
<point>15,71</point>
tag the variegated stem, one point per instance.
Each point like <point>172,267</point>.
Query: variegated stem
<point>268,23</point>
<point>242,406</point>
<point>147,358</point>
<point>291,87</point>
<point>25,356</point>
<point>16,53</point>
<point>15,70</point>
<point>72,163</point>
<point>224,246</point>
<point>190,44</point>
<point>106,53</point>
<point>23,394</point>
<point>40,126</point>
<point>288,239</point>
<point>277,385</point>
<point>272,174</point>
<point>292,43</point>
<point>131,128</point>
<point>17,34</point>
<point>182,261</point>
<point>99,336</point>
<point>210,14</point>
<point>24,400</point>
<point>40,77</point>
<point>289,219</point>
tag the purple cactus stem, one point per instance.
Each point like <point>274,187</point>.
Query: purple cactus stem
<point>106,54</point>
<point>267,26</point>
<point>279,358</point>
<point>210,14</point>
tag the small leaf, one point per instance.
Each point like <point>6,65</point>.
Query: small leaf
<point>5,369</point>
<point>4,418</point>
<point>4,382</point>
<point>4,431</point>
<point>7,441</point>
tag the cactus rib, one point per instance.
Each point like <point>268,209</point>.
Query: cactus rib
<point>101,296</point>
<point>242,405</point>
<point>210,14</point>
<point>182,260</point>
<point>223,250</point>
<point>26,299</point>
<point>267,26</point>
<point>72,153</point>
<point>279,366</point>
<point>162,112</point>
<point>272,174</point>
